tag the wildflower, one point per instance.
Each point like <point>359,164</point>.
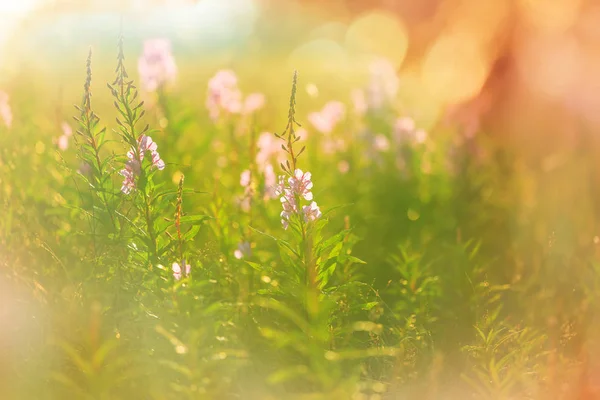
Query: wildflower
<point>381,143</point>
<point>245,178</point>
<point>178,272</point>
<point>405,131</point>
<point>244,250</point>
<point>311,212</point>
<point>223,94</point>
<point>253,103</point>
<point>383,84</point>
<point>326,119</point>
<point>268,148</point>
<point>156,65</point>
<point>66,128</point>
<point>5,110</point>
<point>297,187</point>
<point>63,140</point>
<point>129,181</point>
<point>343,166</point>
<point>133,165</point>
<point>301,184</point>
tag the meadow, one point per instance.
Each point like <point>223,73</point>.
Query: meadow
<point>247,228</point>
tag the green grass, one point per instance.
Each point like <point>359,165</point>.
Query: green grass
<point>429,274</point>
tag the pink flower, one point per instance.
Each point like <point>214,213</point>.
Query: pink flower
<point>66,129</point>
<point>223,94</point>
<point>133,165</point>
<point>405,131</point>
<point>5,110</point>
<point>326,119</point>
<point>383,84</point>
<point>244,250</point>
<point>63,140</point>
<point>301,184</point>
<point>245,178</point>
<point>297,187</point>
<point>269,147</point>
<point>147,144</point>
<point>156,65</point>
<point>343,166</point>
<point>129,181</point>
<point>311,212</point>
<point>253,103</point>
<point>178,272</point>
<point>381,143</point>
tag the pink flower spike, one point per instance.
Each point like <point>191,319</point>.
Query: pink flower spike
<point>133,166</point>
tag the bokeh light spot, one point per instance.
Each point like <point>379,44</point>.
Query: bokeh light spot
<point>379,34</point>
<point>454,69</point>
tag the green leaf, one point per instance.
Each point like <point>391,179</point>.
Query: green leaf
<point>193,218</point>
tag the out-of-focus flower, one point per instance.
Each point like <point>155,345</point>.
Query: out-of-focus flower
<point>156,65</point>
<point>331,145</point>
<point>5,110</point>
<point>133,165</point>
<point>253,103</point>
<point>66,129</point>
<point>343,166</point>
<point>223,94</point>
<point>179,272</point>
<point>245,178</point>
<point>244,250</point>
<point>63,140</point>
<point>268,147</point>
<point>381,143</point>
<point>326,119</point>
<point>297,187</point>
<point>405,131</point>
<point>383,83</point>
